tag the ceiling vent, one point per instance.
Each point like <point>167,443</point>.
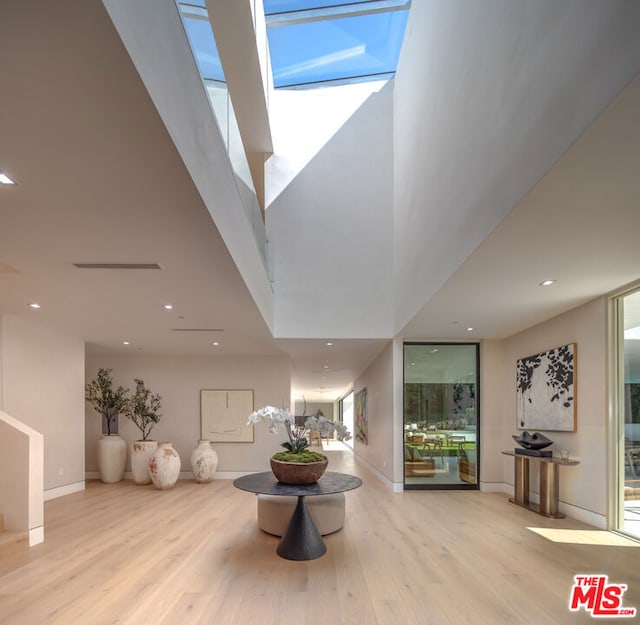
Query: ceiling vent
<point>116,266</point>
<point>197,330</point>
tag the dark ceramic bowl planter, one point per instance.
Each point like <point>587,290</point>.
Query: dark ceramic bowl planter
<point>298,472</point>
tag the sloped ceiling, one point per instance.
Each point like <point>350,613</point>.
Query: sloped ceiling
<point>489,95</point>
<point>100,180</point>
<point>580,226</point>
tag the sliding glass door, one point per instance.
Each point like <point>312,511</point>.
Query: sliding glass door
<point>629,414</point>
<point>441,415</point>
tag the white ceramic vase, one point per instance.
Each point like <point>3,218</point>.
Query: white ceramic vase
<point>141,452</point>
<point>164,466</point>
<point>204,461</point>
<point>112,457</point>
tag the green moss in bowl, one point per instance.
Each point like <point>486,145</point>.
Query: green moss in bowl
<point>303,456</point>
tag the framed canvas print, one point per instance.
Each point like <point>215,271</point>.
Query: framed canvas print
<point>361,423</point>
<point>223,415</point>
<point>546,390</point>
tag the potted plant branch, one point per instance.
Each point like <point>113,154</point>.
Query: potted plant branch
<point>144,410</point>
<point>109,404</point>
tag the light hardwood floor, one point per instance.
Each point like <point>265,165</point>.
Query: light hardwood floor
<point>133,555</point>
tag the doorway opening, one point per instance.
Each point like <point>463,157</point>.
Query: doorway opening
<point>441,416</point>
<point>628,448</point>
<point>346,414</point>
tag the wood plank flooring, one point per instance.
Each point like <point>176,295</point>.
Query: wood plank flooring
<point>132,555</point>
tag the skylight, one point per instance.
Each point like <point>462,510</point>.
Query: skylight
<point>315,42</point>
<point>196,21</point>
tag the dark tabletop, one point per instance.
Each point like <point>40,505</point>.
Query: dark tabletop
<point>267,484</point>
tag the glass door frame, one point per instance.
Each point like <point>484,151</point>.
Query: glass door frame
<point>461,485</point>
<point>616,429</point>
<point>350,424</point>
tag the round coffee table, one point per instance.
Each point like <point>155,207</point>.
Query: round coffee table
<point>302,540</point>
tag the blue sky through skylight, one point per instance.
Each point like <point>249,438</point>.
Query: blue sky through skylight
<point>287,6</point>
<point>335,49</point>
<point>314,41</point>
<point>204,47</point>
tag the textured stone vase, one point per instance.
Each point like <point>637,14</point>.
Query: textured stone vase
<point>112,457</point>
<point>204,461</point>
<point>164,466</point>
<point>141,452</point>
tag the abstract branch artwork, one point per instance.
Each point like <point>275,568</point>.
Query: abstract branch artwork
<point>361,421</point>
<point>546,390</point>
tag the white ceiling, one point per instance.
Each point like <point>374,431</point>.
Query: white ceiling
<point>579,226</point>
<point>99,180</point>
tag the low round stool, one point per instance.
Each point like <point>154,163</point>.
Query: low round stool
<point>274,512</point>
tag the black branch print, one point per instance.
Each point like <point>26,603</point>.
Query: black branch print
<point>559,374</point>
<point>553,370</point>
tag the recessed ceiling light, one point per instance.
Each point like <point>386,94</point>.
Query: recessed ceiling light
<point>215,343</point>
<point>433,351</point>
<point>126,342</point>
<point>34,305</point>
<point>168,307</point>
<point>547,282</point>
<point>469,329</point>
<point>4,179</point>
<point>329,344</point>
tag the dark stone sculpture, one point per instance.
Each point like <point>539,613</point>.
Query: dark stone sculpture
<point>532,441</point>
<point>532,444</point>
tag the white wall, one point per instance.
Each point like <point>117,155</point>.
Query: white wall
<point>585,486</point>
<point>21,478</point>
<point>179,379</point>
<point>14,477</point>
<point>334,219</point>
<point>488,95</point>
<point>495,413</point>
<point>312,408</point>
<point>157,43</point>
<point>378,380</point>
<point>43,382</point>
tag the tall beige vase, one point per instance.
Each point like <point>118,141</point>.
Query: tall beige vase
<point>141,452</point>
<point>112,457</point>
<point>204,461</point>
<point>164,466</point>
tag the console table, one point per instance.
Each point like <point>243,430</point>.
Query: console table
<point>549,483</point>
<point>302,540</point>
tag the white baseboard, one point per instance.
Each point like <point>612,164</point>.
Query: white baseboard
<point>61,491</point>
<point>575,512</point>
<point>184,475</point>
<point>586,516</point>
<point>496,487</point>
<point>229,475</point>
<point>381,476</point>
<point>128,475</point>
<point>36,536</point>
